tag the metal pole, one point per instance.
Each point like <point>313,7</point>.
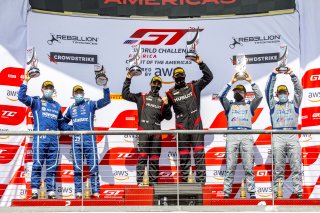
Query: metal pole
<point>272,164</point>
<point>82,162</point>
<point>178,169</point>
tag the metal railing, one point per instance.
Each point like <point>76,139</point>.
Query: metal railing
<point>176,133</point>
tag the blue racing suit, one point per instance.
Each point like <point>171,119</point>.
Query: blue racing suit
<point>82,116</point>
<point>47,116</point>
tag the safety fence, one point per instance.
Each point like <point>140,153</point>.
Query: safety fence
<point>276,167</point>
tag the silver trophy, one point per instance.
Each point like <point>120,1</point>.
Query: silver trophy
<point>134,62</point>
<point>101,78</point>
<point>241,67</point>
<point>32,60</point>
<point>283,59</point>
<point>191,49</point>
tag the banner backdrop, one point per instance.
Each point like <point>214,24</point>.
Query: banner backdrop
<point>13,42</point>
<point>173,8</point>
<point>68,51</point>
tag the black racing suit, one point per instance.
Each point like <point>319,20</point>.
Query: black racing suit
<point>186,104</point>
<point>151,111</point>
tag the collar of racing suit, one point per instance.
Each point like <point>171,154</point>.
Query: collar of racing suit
<point>47,99</point>
<point>154,94</point>
<point>180,86</point>
<point>79,103</point>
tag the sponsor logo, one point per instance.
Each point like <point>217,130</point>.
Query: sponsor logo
<point>11,115</point>
<point>12,95</point>
<point>264,192</point>
<point>172,156</point>
<point>58,38</point>
<point>73,58</point>
<point>7,153</point>
<point>3,137</point>
<point>184,97</point>
<point>158,36</point>
<point>305,137</point>
<point>120,156</point>
<point>311,79</point>
<point>126,119</point>
<point>76,120</point>
<point>121,175</point>
<point>219,174</point>
<point>310,155</point>
<point>266,39</point>
<point>310,116</point>
<point>170,3</point>
<point>261,58</point>
<point>12,76</point>
<point>314,96</point>
<point>130,138</point>
<point>263,173</point>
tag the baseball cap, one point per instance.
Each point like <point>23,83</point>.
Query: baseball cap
<point>156,78</point>
<point>282,88</point>
<point>239,87</point>
<point>178,71</point>
<point>77,87</point>
<point>47,83</point>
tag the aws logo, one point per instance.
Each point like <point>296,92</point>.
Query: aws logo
<point>130,138</point>
<point>219,174</point>
<point>172,156</point>
<point>264,192</point>
<point>314,96</point>
<point>12,95</point>
<point>121,175</point>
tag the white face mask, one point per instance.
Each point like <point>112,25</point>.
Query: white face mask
<point>79,97</point>
<point>283,98</point>
<point>48,93</point>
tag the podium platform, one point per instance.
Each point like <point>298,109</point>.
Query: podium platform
<point>162,195</point>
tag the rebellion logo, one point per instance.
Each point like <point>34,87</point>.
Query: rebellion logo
<point>255,39</point>
<point>57,38</point>
<point>157,36</point>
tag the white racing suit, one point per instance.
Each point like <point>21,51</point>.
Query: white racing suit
<point>239,115</point>
<point>284,116</point>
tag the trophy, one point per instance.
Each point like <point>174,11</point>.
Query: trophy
<point>283,59</point>
<point>134,62</point>
<point>191,50</point>
<point>241,67</point>
<point>280,189</point>
<point>32,60</point>
<point>243,193</point>
<point>101,78</point>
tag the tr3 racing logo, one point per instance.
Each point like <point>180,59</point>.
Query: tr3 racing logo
<point>158,36</point>
<point>256,39</point>
<point>57,38</point>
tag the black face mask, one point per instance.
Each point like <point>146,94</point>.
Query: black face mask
<point>238,97</point>
<point>180,81</point>
<point>155,89</point>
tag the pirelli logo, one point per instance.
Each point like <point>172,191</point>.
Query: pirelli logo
<point>116,97</point>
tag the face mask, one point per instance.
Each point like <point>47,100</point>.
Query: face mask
<point>48,93</point>
<point>238,97</point>
<point>79,98</point>
<point>155,89</point>
<point>180,81</point>
<point>283,98</point>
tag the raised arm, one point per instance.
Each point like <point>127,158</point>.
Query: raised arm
<point>103,101</point>
<point>126,94</point>
<point>270,90</point>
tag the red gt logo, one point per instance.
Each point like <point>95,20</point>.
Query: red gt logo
<point>157,36</point>
<point>310,116</point>
<point>263,173</point>
<point>217,156</point>
<point>12,76</point>
<point>113,192</point>
<point>311,79</point>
